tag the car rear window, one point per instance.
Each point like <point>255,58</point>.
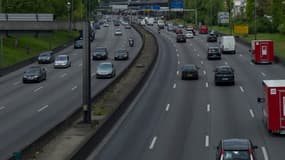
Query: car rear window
<point>213,50</point>
<point>239,155</point>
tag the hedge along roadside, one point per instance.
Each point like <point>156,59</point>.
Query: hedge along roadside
<point>145,69</point>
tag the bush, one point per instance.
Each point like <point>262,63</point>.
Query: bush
<point>281,28</point>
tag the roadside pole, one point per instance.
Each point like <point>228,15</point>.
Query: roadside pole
<point>86,64</point>
<point>1,51</point>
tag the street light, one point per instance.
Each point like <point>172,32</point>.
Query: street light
<point>68,4</point>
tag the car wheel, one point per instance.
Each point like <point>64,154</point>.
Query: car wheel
<point>216,83</point>
<point>233,83</point>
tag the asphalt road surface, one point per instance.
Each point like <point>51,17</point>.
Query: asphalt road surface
<point>171,119</point>
<point>27,111</point>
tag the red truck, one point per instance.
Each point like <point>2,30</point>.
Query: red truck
<point>273,105</point>
<point>262,51</point>
<point>203,29</point>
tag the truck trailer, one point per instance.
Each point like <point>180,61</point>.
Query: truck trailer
<point>273,105</point>
<point>262,51</point>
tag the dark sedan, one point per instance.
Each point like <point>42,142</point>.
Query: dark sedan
<point>46,57</point>
<point>224,75</point>
<point>212,38</point>
<point>180,38</point>
<point>101,53</point>
<point>121,54</point>
<point>189,71</point>
<point>214,53</point>
<point>34,74</point>
<point>78,44</point>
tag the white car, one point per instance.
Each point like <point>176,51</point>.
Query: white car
<point>189,34</point>
<point>62,61</point>
<point>105,25</point>
<point>118,32</point>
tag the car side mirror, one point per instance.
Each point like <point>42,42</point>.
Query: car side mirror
<point>254,147</point>
<point>260,100</point>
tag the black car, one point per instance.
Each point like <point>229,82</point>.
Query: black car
<point>180,38</point>
<point>190,71</point>
<point>101,53</point>
<point>46,57</point>
<point>214,53</point>
<point>34,74</point>
<point>97,26</point>
<point>121,54</point>
<point>78,44</point>
<point>212,38</point>
<point>235,148</point>
<point>224,75</point>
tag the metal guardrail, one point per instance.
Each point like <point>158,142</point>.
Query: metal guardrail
<point>27,17</point>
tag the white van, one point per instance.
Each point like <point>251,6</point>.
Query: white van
<point>227,44</point>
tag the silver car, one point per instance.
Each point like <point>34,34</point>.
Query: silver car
<point>118,32</point>
<point>62,61</point>
<point>105,70</point>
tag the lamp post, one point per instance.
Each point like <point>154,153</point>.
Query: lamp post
<point>68,4</point>
<point>255,30</point>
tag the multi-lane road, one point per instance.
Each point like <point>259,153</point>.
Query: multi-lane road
<point>184,120</point>
<point>27,111</point>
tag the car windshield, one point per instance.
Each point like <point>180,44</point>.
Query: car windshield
<point>33,71</point>
<point>224,70</point>
<point>105,66</point>
<point>122,51</point>
<point>118,30</point>
<point>100,50</point>
<point>45,55</point>
<point>189,67</point>
<point>61,58</point>
<point>236,155</point>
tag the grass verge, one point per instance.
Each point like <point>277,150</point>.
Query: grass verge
<point>19,48</point>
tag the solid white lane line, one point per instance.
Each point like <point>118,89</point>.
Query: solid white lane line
<point>2,107</point>
<point>207,84</point>
<point>174,85</point>
<point>36,90</point>
<point>204,72</point>
<point>167,107</point>
<point>208,107</point>
<point>263,74</point>
<point>73,88</point>
<point>207,141</point>
<point>63,75</point>
<point>152,143</point>
<point>202,62</point>
<point>251,113</point>
<point>16,83</point>
<point>177,73</point>
<point>241,89</point>
<point>264,153</point>
<point>43,108</point>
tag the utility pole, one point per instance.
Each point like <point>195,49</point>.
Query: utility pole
<point>86,69</point>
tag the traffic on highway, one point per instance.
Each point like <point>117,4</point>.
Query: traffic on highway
<point>208,96</point>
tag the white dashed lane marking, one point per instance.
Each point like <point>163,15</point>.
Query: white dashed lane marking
<point>202,62</point>
<point>167,107</point>
<point>43,108</point>
<point>241,89</point>
<point>207,84</point>
<point>2,108</point>
<point>208,107</point>
<point>207,141</point>
<point>36,90</point>
<point>174,85</point>
<point>152,144</point>
<point>251,113</point>
<point>204,72</point>
<point>74,88</point>
<point>263,74</point>
<point>264,152</point>
<point>16,83</point>
<point>177,73</point>
<point>63,75</point>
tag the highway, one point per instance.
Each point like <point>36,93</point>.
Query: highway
<point>185,120</point>
<point>27,111</point>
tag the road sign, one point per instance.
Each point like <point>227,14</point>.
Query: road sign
<point>223,17</point>
<point>176,4</point>
<point>241,29</point>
